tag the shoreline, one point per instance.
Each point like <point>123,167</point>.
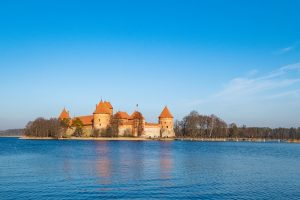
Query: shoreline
<point>161,139</point>
<point>99,138</point>
<point>231,139</point>
<point>238,140</point>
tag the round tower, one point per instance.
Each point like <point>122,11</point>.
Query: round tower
<point>102,116</point>
<point>166,122</point>
<point>138,124</point>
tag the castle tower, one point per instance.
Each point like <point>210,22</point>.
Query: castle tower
<point>166,122</point>
<point>102,115</point>
<point>138,124</point>
<point>109,106</point>
<point>64,115</point>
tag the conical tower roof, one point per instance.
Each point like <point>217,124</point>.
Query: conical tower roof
<point>64,114</point>
<point>165,113</point>
<point>102,108</point>
<point>108,104</point>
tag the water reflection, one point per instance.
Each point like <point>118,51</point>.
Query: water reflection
<point>103,163</point>
<point>135,158</point>
<point>67,166</point>
<point>166,164</point>
<point>127,164</point>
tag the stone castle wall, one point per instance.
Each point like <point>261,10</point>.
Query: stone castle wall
<point>87,131</point>
<point>125,129</point>
<point>151,131</point>
<point>167,133</point>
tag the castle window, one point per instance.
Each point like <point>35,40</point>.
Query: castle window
<point>167,127</point>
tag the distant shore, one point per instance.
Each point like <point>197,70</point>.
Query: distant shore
<point>159,139</point>
<point>9,136</point>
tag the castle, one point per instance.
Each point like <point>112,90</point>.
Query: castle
<point>128,125</point>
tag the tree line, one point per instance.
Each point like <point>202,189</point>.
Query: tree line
<point>57,128</point>
<point>195,125</point>
<point>11,132</point>
<point>41,127</point>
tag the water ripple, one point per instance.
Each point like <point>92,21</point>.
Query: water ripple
<point>32,169</point>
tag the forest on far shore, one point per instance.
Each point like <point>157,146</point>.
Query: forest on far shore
<point>11,132</point>
<point>194,125</point>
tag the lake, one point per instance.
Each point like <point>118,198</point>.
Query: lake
<point>69,169</point>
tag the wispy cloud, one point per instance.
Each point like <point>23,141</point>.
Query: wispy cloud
<point>269,99</point>
<point>295,93</point>
<point>288,48</point>
<point>263,85</point>
<point>281,82</point>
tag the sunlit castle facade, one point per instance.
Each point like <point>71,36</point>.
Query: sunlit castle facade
<point>127,125</point>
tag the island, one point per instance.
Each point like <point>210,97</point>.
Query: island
<point>105,124</point>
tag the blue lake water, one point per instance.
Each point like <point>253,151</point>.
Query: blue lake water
<point>50,169</point>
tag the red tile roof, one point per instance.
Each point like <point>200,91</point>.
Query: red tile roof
<point>165,113</point>
<point>122,115</point>
<point>64,114</point>
<point>108,104</point>
<point>102,108</point>
<point>86,120</point>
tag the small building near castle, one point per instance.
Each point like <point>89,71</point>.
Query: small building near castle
<point>133,125</point>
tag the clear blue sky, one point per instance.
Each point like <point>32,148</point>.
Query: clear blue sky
<point>239,59</point>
